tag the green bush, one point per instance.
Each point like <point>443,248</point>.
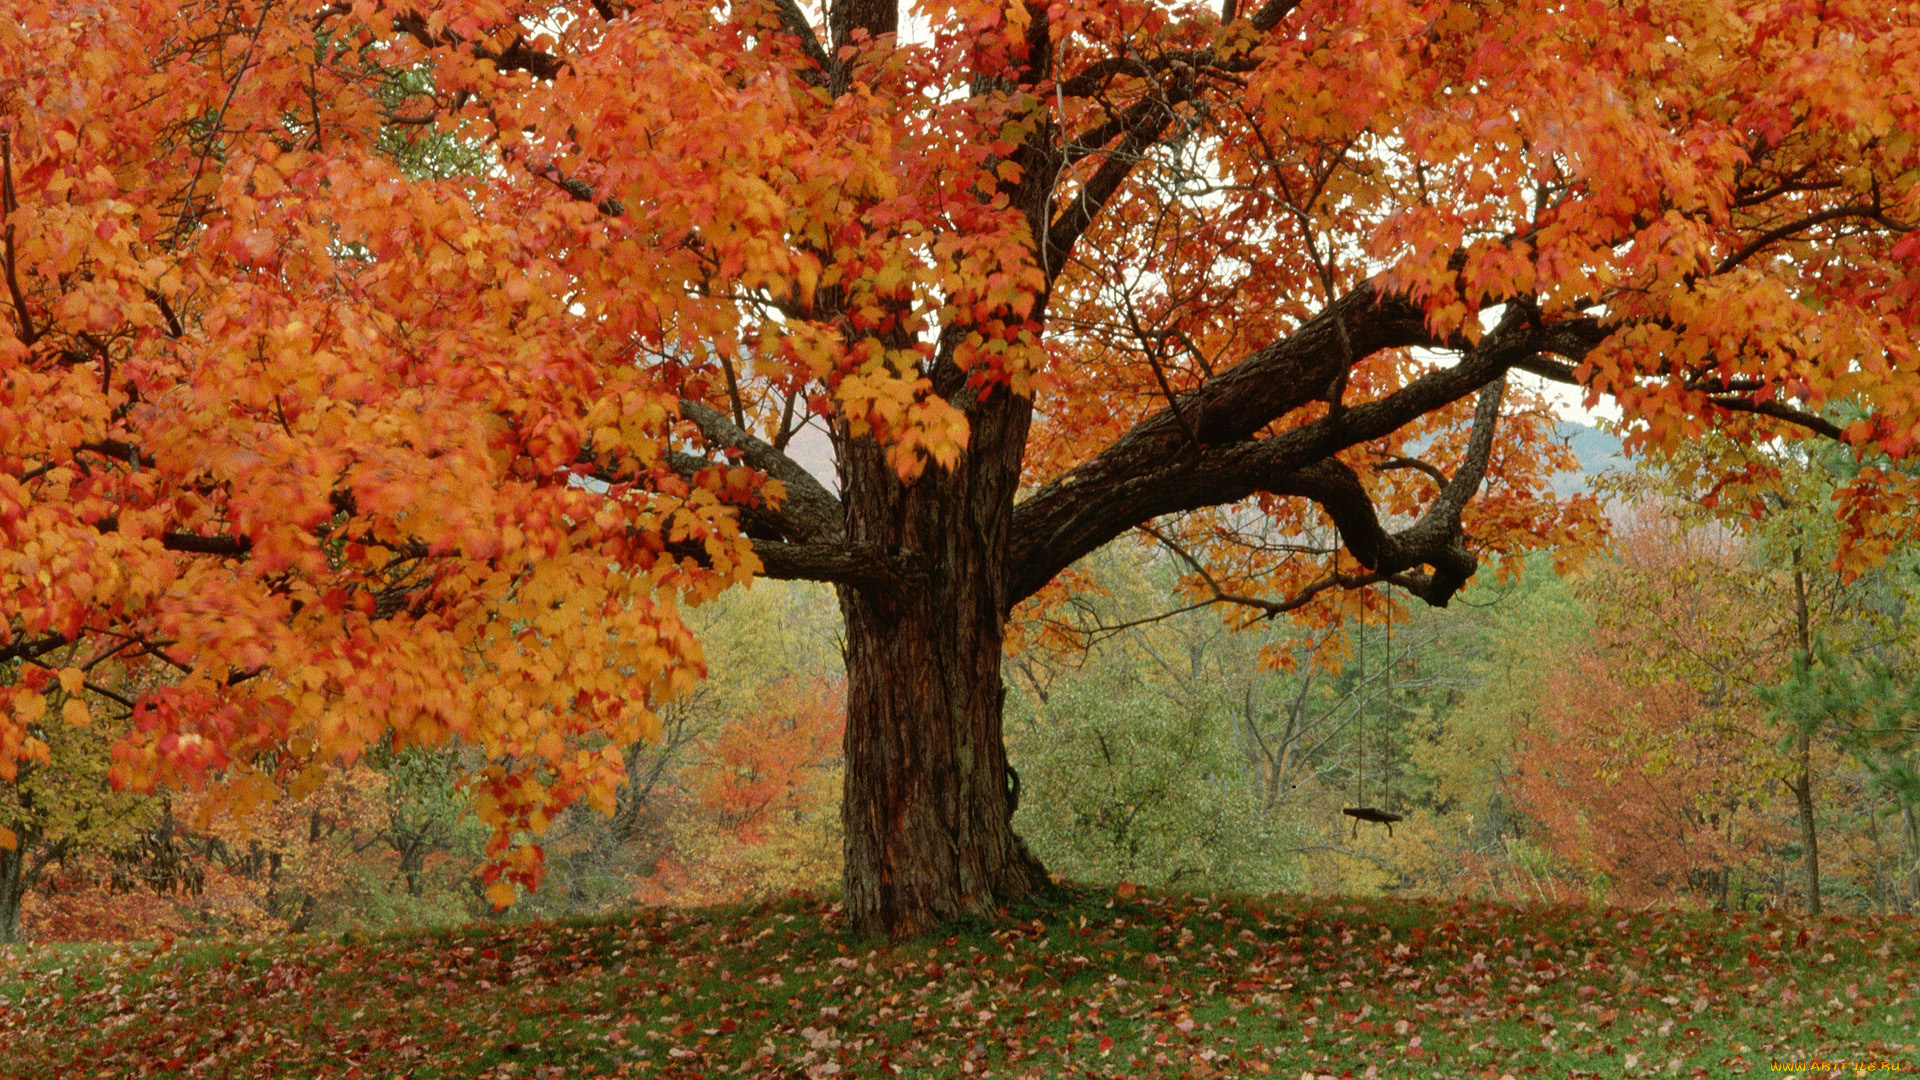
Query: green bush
<point>1119,782</point>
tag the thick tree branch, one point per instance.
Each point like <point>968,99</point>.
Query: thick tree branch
<point>876,17</point>
<point>794,22</point>
<point>1145,474</point>
<point>1225,409</point>
<point>810,512</point>
<point>198,544</point>
<point>1271,13</point>
<point>1435,539</point>
<point>760,520</point>
<point>1079,213</point>
<point>1817,424</point>
<point>849,564</point>
<point>30,648</point>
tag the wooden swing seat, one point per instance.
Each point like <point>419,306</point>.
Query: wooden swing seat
<point>1376,816</point>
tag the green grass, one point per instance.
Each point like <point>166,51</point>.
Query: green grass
<point>1091,985</point>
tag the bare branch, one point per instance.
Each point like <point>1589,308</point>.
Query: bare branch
<point>1816,424</point>
<point>1561,372</point>
<point>1391,463</point>
<point>1772,236</point>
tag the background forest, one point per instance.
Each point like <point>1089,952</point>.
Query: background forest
<point>1676,716</point>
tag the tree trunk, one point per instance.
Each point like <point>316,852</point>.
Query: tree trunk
<point>13,889</point>
<point>1803,750</point>
<point>1809,835</point>
<point>413,861</point>
<point>928,807</point>
<point>1879,858</point>
<point>1913,854</point>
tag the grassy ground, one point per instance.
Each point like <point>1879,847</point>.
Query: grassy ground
<point>1093,985</point>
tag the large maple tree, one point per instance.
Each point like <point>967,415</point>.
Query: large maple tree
<point>357,451</point>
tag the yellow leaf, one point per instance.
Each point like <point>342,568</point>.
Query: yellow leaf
<point>501,893</point>
<point>72,681</point>
<point>7,839</point>
<point>28,707</point>
<point>75,712</point>
<point>305,783</point>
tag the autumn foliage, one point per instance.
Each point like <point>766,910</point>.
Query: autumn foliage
<point>1642,786</point>
<point>247,447</point>
<point>391,374</point>
<point>754,812</point>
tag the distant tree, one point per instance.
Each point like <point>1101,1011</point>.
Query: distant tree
<point>678,832</point>
<point>427,813</point>
<point>1811,581</point>
<point>1643,784</point>
<point>57,807</point>
<point>762,808</point>
<point>1119,782</point>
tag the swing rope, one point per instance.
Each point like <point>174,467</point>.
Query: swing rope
<point>1364,812</point>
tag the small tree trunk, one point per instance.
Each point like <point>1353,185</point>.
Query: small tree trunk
<point>1809,835</point>
<point>13,890</point>
<point>928,808</point>
<point>1879,857</point>
<point>1803,750</point>
<point>412,849</point>
<point>1913,854</point>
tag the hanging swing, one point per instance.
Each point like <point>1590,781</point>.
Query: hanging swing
<point>1372,814</point>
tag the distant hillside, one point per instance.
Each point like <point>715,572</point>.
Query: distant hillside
<point>1598,451</point>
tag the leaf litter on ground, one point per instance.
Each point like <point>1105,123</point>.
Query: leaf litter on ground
<point>1092,984</point>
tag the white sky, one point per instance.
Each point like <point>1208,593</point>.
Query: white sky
<point>1568,400</point>
<point>814,452</point>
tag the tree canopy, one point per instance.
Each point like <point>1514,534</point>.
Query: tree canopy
<point>394,372</point>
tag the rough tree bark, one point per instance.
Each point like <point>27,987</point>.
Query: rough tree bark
<point>928,821</point>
